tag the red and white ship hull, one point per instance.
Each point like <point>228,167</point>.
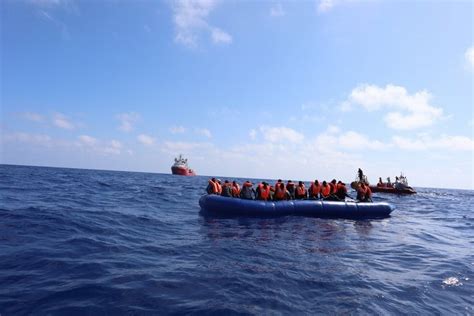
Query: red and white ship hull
<point>182,171</point>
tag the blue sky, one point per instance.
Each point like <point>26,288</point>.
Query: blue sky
<point>261,89</point>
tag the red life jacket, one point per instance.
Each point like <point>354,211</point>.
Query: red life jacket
<point>325,190</point>
<point>279,194</point>
<point>315,189</point>
<point>333,187</point>
<point>264,193</point>
<point>235,189</point>
<point>300,190</point>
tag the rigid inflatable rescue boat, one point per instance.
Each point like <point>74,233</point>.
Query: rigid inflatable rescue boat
<point>220,205</point>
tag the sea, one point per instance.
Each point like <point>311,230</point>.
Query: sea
<point>90,242</point>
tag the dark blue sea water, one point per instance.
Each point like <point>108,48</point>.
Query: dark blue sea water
<point>108,243</point>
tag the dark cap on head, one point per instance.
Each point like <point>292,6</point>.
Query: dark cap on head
<point>300,182</point>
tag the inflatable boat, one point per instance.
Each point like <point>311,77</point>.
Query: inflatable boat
<point>226,206</point>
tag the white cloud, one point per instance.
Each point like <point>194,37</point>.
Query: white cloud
<point>253,134</point>
<point>411,111</point>
<point>443,142</point>
<point>204,132</point>
<point>333,138</point>
<point>281,134</point>
<point>469,55</point>
<point>190,19</point>
<point>219,36</point>
<point>127,120</point>
<point>324,6</point>
<point>277,10</point>
<point>146,139</point>
<point>61,121</point>
<point>87,140</point>
<point>174,147</point>
<point>177,130</point>
<point>33,139</point>
<point>31,116</point>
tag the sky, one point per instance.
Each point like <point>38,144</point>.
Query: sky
<point>299,90</point>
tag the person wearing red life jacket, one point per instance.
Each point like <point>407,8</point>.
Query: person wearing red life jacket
<point>333,186</point>
<point>247,192</point>
<point>263,191</point>
<point>315,190</point>
<point>301,193</point>
<point>235,189</point>
<point>281,193</point>
<point>325,190</point>
<point>212,187</point>
<point>341,192</point>
<point>364,194</point>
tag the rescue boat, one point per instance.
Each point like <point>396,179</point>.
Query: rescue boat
<point>180,167</point>
<point>399,187</point>
<point>227,206</point>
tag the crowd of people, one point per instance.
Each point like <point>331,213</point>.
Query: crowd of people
<point>330,191</point>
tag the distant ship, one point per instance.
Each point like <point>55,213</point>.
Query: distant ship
<point>180,167</point>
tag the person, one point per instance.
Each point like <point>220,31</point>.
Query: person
<point>277,185</point>
<point>212,187</point>
<point>227,189</point>
<point>341,192</point>
<point>333,185</point>
<point>263,191</point>
<point>364,194</point>
<point>235,189</point>
<point>281,193</point>
<point>314,190</point>
<point>301,193</point>
<point>219,186</point>
<point>361,175</point>
<point>290,186</point>
<point>380,183</point>
<point>247,192</point>
<point>389,183</point>
<point>325,190</point>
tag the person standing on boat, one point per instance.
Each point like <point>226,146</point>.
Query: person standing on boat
<point>247,192</point>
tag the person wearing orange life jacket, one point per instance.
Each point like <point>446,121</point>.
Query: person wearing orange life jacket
<point>277,185</point>
<point>333,186</point>
<point>263,191</point>
<point>301,192</point>
<point>341,192</point>
<point>212,187</point>
<point>281,193</point>
<point>227,189</point>
<point>364,194</point>
<point>290,186</point>
<point>325,190</point>
<point>247,192</point>
<point>235,189</point>
<point>314,190</point>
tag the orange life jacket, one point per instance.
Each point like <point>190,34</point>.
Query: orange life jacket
<point>279,194</point>
<point>325,190</point>
<point>264,193</point>
<point>333,187</point>
<point>315,189</point>
<point>235,189</point>
<point>301,190</point>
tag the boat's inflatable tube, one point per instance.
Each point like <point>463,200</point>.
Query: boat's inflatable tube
<point>224,206</point>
